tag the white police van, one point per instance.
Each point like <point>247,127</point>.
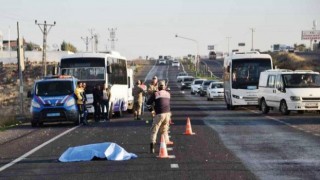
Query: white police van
<point>289,90</point>
<point>53,100</point>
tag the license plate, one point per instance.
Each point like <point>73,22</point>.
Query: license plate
<point>311,104</point>
<point>53,114</point>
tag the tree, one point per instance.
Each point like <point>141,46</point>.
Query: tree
<point>68,47</point>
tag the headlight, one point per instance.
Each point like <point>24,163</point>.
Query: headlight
<point>236,96</point>
<point>295,98</point>
<point>70,102</point>
<point>182,84</point>
<point>35,104</point>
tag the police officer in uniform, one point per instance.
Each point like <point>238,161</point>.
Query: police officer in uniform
<point>161,101</point>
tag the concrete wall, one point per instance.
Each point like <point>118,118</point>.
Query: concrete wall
<point>52,56</point>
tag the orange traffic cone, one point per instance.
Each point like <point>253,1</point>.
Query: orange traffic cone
<point>163,153</point>
<point>188,128</point>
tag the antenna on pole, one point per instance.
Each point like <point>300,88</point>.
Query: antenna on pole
<point>252,31</point>
<point>45,32</point>
<point>112,37</point>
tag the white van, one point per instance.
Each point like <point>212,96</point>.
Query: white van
<point>288,90</point>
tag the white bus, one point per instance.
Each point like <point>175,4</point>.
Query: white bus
<point>241,77</point>
<point>109,69</point>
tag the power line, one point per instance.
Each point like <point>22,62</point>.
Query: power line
<point>45,32</point>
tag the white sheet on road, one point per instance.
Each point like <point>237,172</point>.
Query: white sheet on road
<point>110,151</point>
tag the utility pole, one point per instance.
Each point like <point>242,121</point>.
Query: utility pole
<point>112,37</point>
<point>228,44</point>
<point>252,31</point>
<point>86,41</point>
<point>21,68</point>
<point>96,41</point>
<point>92,36</point>
<point>45,32</point>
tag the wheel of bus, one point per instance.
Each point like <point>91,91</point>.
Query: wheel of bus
<point>264,108</point>
<point>119,113</point>
<point>284,108</point>
<point>110,111</point>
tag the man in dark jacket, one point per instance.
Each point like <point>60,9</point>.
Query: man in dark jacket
<point>161,101</point>
<point>97,98</point>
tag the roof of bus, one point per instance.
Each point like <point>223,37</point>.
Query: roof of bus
<point>249,56</point>
<point>94,55</point>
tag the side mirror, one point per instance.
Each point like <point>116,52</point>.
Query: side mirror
<point>109,69</point>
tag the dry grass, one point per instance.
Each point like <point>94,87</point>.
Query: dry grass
<point>292,61</point>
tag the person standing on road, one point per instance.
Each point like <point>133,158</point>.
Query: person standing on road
<point>152,88</point>
<point>106,94</point>
<point>137,94</point>
<point>79,92</point>
<point>97,97</point>
<point>161,101</point>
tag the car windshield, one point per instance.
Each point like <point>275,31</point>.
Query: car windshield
<point>183,74</point>
<point>198,82</point>
<point>54,88</point>
<point>301,80</point>
<point>215,86</point>
<point>207,83</point>
<point>188,79</point>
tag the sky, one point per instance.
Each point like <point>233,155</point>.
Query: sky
<point>148,27</point>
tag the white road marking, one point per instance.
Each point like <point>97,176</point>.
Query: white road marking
<point>36,149</point>
<point>169,149</point>
<point>174,166</point>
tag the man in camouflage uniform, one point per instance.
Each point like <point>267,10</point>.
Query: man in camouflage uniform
<point>137,94</point>
<point>153,87</point>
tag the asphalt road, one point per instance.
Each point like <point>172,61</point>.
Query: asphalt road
<point>239,144</point>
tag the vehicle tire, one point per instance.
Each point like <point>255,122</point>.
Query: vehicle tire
<point>284,108</point>
<point>34,123</point>
<point>300,112</point>
<point>119,113</point>
<point>78,120</point>
<point>191,92</point>
<point>110,111</point>
<point>201,94</point>
<point>264,107</point>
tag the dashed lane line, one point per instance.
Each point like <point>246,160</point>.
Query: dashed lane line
<point>174,166</point>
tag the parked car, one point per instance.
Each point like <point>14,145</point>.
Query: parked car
<point>204,86</point>
<point>186,82</point>
<point>215,91</point>
<point>288,90</point>
<point>175,63</point>
<point>162,61</point>
<point>195,85</point>
<point>180,75</point>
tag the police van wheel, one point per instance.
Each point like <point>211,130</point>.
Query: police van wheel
<point>78,120</point>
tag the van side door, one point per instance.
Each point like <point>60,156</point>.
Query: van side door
<point>279,91</point>
<point>270,91</point>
